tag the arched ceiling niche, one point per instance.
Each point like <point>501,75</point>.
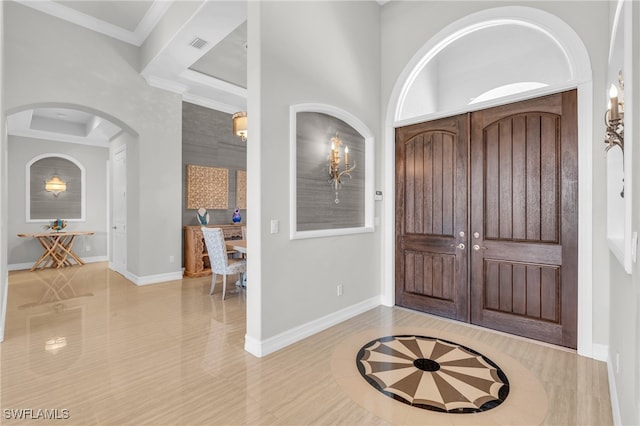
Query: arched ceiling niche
<point>483,63</point>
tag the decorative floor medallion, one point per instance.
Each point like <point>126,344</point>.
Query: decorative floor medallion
<point>432,374</point>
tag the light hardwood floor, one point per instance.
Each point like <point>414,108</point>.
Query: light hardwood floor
<point>100,350</point>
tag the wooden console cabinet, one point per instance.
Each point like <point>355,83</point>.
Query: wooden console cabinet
<point>196,258</point>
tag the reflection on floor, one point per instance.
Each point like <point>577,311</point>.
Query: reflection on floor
<point>86,342</point>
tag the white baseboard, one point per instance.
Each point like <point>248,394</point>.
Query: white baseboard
<point>150,279</point>
<point>600,352</point>
<point>153,279</point>
<point>613,394</point>
<point>262,348</point>
<point>28,265</point>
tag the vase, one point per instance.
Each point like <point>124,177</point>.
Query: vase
<point>203,216</point>
<point>236,218</point>
<point>58,225</point>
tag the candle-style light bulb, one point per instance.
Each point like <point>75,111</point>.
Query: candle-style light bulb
<point>613,91</point>
<point>346,155</point>
<point>613,95</point>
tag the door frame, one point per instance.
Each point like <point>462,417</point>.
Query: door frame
<point>122,269</point>
<point>577,56</point>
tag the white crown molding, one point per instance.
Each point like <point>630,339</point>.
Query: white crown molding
<point>169,69</point>
<point>166,84</point>
<point>136,38</point>
<point>209,103</point>
<point>207,80</point>
<point>19,124</point>
<point>151,18</point>
<point>50,136</point>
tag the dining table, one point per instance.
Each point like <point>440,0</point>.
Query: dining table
<point>241,247</point>
<point>238,245</point>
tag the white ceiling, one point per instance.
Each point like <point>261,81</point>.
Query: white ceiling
<point>212,76</point>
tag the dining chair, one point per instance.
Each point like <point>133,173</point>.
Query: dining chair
<point>220,262</point>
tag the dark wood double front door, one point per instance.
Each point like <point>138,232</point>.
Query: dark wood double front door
<point>487,219</point>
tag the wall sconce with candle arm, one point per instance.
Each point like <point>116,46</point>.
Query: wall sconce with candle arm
<point>335,174</point>
<point>614,117</point>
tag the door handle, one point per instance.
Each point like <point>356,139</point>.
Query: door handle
<point>114,227</point>
<point>460,246</point>
<point>476,247</point>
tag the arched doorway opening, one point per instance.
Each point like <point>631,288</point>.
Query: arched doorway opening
<point>65,130</point>
<point>497,79</point>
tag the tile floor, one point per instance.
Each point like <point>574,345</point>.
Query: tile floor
<point>89,347</point>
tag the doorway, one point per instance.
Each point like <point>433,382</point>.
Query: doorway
<point>119,218</point>
<point>487,219</point>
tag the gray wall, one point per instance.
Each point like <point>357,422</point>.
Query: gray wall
<point>94,159</point>
<point>43,205</point>
<point>316,206</point>
<point>207,140</point>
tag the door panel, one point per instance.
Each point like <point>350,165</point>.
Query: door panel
<point>431,176</point>
<point>523,209</point>
<point>503,182</point>
<point>119,219</point>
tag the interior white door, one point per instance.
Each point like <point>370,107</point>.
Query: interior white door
<point>119,213</point>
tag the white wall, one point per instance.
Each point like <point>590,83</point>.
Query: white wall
<point>3,190</point>
<point>317,52</point>
<point>51,61</point>
<point>24,252</point>
<point>625,288</point>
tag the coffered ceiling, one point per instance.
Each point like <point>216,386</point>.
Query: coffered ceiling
<point>205,60</point>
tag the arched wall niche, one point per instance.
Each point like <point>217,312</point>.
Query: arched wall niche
<point>44,206</point>
<point>421,73</point>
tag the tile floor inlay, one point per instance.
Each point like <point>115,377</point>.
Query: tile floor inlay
<point>432,374</point>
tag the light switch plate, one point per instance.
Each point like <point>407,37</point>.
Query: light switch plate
<point>275,226</point>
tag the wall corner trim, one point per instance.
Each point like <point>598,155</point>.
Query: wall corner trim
<point>260,348</point>
<point>615,405</point>
<point>600,352</point>
<point>153,279</point>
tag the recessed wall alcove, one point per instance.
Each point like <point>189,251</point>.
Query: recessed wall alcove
<point>43,205</point>
<point>489,58</point>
